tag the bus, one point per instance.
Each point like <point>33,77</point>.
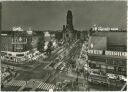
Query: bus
<point>98,79</point>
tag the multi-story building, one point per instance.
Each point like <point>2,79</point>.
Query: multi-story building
<point>18,43</point>
<point>108,61</point>
<point>6,41</point>
<point>116,39</point>
<point>107,53</point>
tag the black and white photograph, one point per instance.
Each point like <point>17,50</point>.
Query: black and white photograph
<point>63,45</point>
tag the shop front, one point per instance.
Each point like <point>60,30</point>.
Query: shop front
<point>107,64</point>
<point>108,61</point>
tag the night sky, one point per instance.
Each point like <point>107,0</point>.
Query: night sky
<point>52,15</point>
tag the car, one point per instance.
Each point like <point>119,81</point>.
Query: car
<point>111,76</point>
<point>57,65</point>
<point>123,78</point>
<point>62,68</point>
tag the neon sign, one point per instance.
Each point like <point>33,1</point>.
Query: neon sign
<point>95,28</point>
<point>115,53</point>
<point>95,52</point>
<point>17,29</point>
<point>111,53</point>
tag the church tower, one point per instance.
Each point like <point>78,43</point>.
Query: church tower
<point>69,24</point>
<point>69,33</point>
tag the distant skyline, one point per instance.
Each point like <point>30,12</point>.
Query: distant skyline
<point>49,15</point>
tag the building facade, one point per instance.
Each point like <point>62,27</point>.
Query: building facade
<point>108,61</point>
<point>20,41</point>
<point>107,56</point>
<point>116,39</point>
<point>16,45</point>
<point>15,41</point>
<point>6,40</point>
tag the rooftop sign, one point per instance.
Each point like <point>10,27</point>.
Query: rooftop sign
<point>108,53</point>
<point>96,28</point>
<point>4,34</point>
<point>29,31</point>
<point>17,29</point>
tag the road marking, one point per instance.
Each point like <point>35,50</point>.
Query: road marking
<point>46,86</point>
<point>16,83</point>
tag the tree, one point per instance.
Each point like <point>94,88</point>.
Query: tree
<point>40,44</point>
<point>30,47</point>
<point>48,51</point>
<point>50,44</point>
<point>58,35</point>
<point>29,44</point>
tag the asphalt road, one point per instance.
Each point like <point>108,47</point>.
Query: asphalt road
<point>49,75</point>
<point>73,53</point>
<point>37,71</point>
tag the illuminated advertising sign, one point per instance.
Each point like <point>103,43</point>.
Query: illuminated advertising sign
<point>95,28</point>
<point>29,32</point>
<point>115,53</point>
<point>110,53</point>
<point>3,34</point>
<point>107,29</point>
<point>95,52</point>
<point>17,29</point>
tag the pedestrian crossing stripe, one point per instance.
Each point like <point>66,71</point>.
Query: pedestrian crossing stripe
<point>16,83</point>
<point>46,86</point>
<point>41,84</point>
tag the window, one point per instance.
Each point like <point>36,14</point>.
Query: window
<point>19,46</point>
<point>67,35</point>
<point>97,66</point>
<point>15,39</point>
<point>122,62</point>
<point>103,66</point>
<point>92,65</point>
<point>19,55</point>
<point>10,54</point>
<point>115,62</point>
<point>110,67</point>
<point>109,61</point>
<point>115,68</point>
<point>15,47</point>
<point>121,69</point>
